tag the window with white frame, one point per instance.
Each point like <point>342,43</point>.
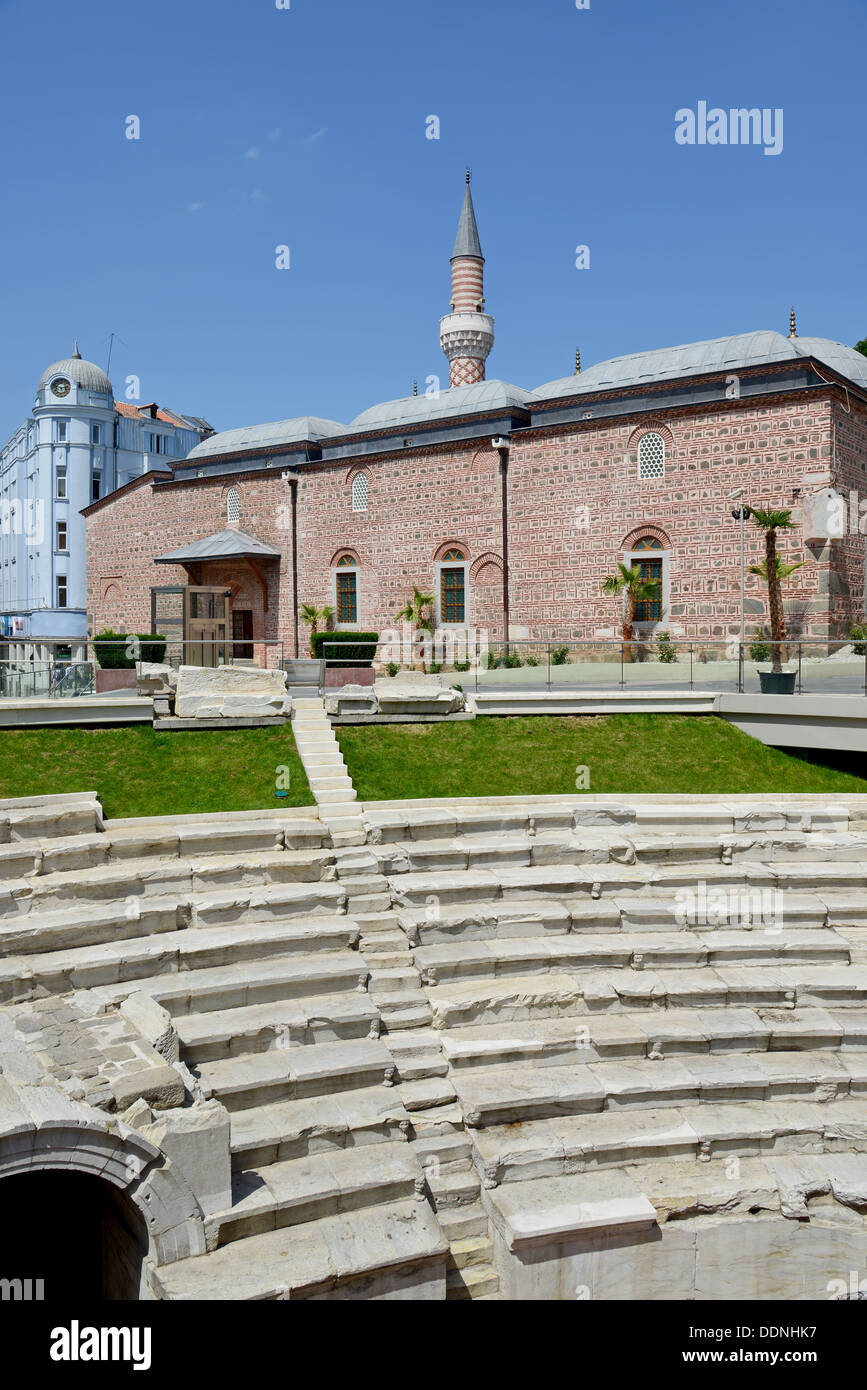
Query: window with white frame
<point>96,433</point>
<point>60,480</point>
<point>60,431</point>
<point>360,491</point>
<point>346,590</point>
<point>61,591</point>
<point>651,455</point>
<point>233,505</point>
<point>61,536</point>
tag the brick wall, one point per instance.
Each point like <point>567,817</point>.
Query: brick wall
<point>421,500</point>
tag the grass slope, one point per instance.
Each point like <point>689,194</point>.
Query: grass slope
<point>535,756</point>
<point>139,772</point>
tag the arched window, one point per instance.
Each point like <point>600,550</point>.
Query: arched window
<point>360,490</point>
<point>233,505</point>
<point>648,610</point>
<point>651,455</point>
<point>346,590</point>
<point>453,586</point>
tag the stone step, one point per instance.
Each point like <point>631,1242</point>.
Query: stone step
<point>398,981</point>
<point>134,879</point>
<point>460,1223</point>
<point>557,994</point>
<point>298,1072</point>
<point>616,1138</point>
<point>141,846</point>
<point>294,1128</point>
<point>49,817</point>
<point>441,1120</point>
<point>253,982</point>
<point>327,783</point>
<point>635,1034</point>
<point>427,1094</point>
<point>512,1094</point>
<point>593,882</point>
<point>467,1252</point>
<point>216,1035</point>
<point>321,1184</point>
<point>437,1151</point>
<point>456,1186</point>
<point>471,1283</point>
<point>321,1257</point>
<point>131,958</point>
<point>336,796</point>
<point>465,959</point>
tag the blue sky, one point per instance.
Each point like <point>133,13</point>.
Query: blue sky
<point>306,127</point>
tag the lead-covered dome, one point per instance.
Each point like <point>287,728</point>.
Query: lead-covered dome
<point>76,369</point>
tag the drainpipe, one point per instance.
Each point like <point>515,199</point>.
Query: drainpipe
<point>502,446</point>
<point>292,480</point>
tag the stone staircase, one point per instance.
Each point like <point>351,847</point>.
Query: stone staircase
<point>627,997</point>
<point>326,771</point>
<point>476,1051</point>
<point>239,931</point>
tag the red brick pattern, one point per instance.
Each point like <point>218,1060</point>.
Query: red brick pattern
<point>576,506</point>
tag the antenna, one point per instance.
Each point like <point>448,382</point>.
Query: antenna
<point>110,348</point>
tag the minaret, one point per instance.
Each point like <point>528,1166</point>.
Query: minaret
<point>467,333</point>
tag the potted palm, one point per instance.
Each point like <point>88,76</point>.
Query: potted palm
<point>302,671</point>
<point>773,570</point>
<point>633,587</point>
<point>416,613</point>
<point>312,616</point>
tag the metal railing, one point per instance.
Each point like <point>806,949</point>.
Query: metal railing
<point>648,662</point>
<point>32,668</point>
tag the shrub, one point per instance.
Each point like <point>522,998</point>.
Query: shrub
<point>559,655</point>
<point>532,661</point>
<point>493,661</point>
<point>112,648</point>
<point>392,668</point>
<point>858,634</point>
<point>462,666</point>
<point>760,647</point>
<point>360,647</point>
<point>435,667</point>
<point>512,661</point>
<point>665,648</point>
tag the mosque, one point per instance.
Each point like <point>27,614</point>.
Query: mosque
<point>509,504</point>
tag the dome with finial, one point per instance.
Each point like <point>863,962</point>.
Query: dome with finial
<point>83,373</point>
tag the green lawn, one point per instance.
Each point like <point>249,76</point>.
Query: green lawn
<point>535,756</point>
<point>139,772</point>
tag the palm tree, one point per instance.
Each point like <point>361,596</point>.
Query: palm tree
<point>773,571</point>
<point>415,613</point>
<point>313,616</point>
<point>635,588</point>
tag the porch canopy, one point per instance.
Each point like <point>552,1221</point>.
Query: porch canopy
<point>230,544</point>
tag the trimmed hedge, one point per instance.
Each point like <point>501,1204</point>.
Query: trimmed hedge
<point>359,648</point>
<point>111,649</point>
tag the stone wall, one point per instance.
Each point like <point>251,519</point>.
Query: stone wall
<point>576,506</point>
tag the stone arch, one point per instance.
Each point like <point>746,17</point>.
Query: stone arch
<point>345,550</point>
<point>441,550</point>
<point>486,567</point>
<point>648,424</point>
<point>648,529</point>
<point>113,1152</point>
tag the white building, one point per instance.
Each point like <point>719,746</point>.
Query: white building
<point>78,445</point>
